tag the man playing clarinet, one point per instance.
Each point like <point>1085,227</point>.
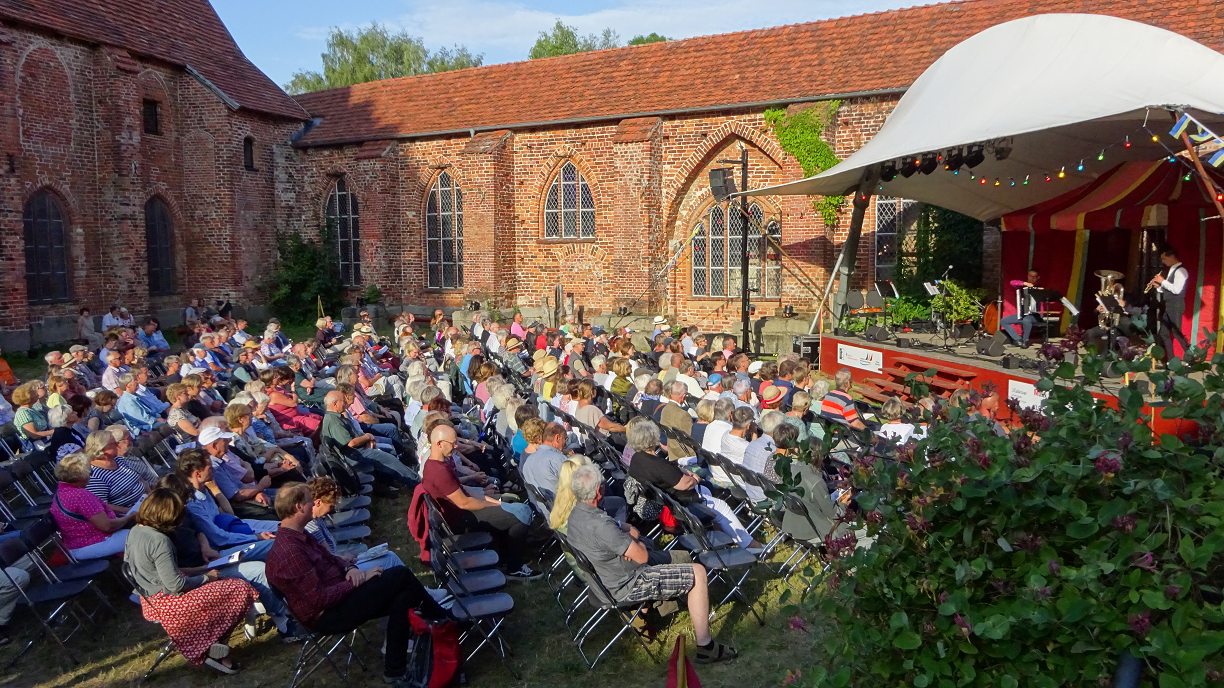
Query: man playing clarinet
<point>1170,286</point>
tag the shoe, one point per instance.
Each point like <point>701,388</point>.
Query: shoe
<point>716,652</point>
<point>221,667</point>
<point>523,574</point>
<point>292,637</point>
<point>393,680</point>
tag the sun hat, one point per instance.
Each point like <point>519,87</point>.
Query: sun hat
<point>212,434</point>
<point>660,320</point>
<point>549,366</point>
<point>250,344</point>
<point>755,367</point>
<point>512,343</point>
<point>538,355</point>
<point>771,395</point>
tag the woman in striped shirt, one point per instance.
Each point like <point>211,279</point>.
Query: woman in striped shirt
<point>118,486</point>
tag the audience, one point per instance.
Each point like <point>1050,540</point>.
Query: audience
<point>90,529</point>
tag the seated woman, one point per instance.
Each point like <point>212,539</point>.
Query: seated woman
<point>563,395</point>
<point>184,423</point>
<point>265,425</point>
<point>198,611</point>
<point>893,428</point>
<point>103,412</point>
<point>590,415</point>
<point>284,406</point>
<point>267,458</point>
<point>480,378</point>
<point>823,511</point>
<point>57,387</point>
<point>31,416</point>
<point>800,418</point>
<point>65,439</point>
<point>197,405</point>
<point>89,528</point>
<point>326,495</point>
<point>115,483</point>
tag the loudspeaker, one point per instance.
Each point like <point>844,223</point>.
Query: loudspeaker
<point>842,332</point>
<point>905,342</point>
<point>1010,362</point>
<point>722,183</point>
<point>876,334</point>
<point>965,331</point>
<point>1109,372</point>
<point>992,346</point>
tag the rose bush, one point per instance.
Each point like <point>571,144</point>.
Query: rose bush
<point>1040,557</point>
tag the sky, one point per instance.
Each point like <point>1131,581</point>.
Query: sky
<point>284,36</point>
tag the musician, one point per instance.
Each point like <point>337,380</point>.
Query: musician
<point>1099,336</point>
<point>1026,318</point>
<point>1170,285</point>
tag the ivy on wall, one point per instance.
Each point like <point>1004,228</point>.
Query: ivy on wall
<point>800,135</point>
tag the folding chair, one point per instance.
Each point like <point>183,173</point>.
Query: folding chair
<point>762,514</point>
<point>718,561</point>
<point>15,503</point>
<point>44,531</point>
<point>27,469</point>
<point>464,547</point>
<point>315,644</point>
<point>61,595</point>
<point>605,605</point>
<point>168,647</point>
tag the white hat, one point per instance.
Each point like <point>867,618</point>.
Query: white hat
<point>755,367</point>
<point>213,433</point>
<point>660,320</point>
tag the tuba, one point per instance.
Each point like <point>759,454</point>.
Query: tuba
<point>1111,285</point>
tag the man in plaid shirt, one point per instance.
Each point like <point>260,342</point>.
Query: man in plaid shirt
<point>331,595</point>
<point>510,356</point>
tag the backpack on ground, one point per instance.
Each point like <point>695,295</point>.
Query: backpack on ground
<point>435,658</point>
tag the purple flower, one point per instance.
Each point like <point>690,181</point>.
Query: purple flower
<point>1055,567</point>
<point>874,517</point>
<point>1072,338</point>
<point>798,624</point>
<point>1125,440</point>
<point>1140,623</point>
<point>1126,523</point>
<point>943,597</point>
<point>1028,543</point>
<point>966,625</point>
<point>917,524</point>
<point>1173,591</point>
<point>1145,561</point>
<point>983,460</point>
<point>1109,464</point>
<point>1005,587</point>
<point>1051,352</point>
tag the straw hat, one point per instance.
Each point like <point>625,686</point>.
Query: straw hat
<point>549,366</point>
<point>512,343</point>
<point>539,355</point>
<point>660,320</point>
<point>771,395</point>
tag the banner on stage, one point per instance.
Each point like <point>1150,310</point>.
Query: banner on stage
<point>1026,394</point>
<point>863,359</point>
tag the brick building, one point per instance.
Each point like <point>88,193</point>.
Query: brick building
<point>497,183</point>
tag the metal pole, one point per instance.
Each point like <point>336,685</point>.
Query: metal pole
<point>862,196</point>
<point>744,296</point>
<point>829,288</point>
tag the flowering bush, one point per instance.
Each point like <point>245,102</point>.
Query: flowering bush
<point>1039,558</point>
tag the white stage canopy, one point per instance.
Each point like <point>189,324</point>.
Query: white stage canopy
<point>1058,89</point>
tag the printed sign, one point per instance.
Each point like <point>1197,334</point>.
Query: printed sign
<point>863,359</point>
<point>1026,394</point>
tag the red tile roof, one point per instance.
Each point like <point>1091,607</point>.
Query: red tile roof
<point>180,32</point>
<point>872,52</point>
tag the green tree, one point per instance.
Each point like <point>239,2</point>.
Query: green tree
<point>305,273</point>
<point>564,40</point>
<point>355,57</point>
<point>652,38</point>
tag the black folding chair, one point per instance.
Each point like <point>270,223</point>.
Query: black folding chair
<point>61,596</point>
<point>318,648</point>
<point>168,647</point>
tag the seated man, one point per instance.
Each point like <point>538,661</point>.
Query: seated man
<point>304,385</point>
<point>114,368</point>
<point>541,468</point>
<point>234,477</point>
<point>672,413</point>
<point>151,338</point>
<point>342,434</point>
<point>838,405</point>
<point>465,512</point>
<point>621,560</point>
<point>331,595</point>
<point>136,411</point>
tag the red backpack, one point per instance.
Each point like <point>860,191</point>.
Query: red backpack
<point>435,658</point>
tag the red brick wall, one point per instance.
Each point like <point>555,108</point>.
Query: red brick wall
<point>70,117</point>
<point>650,184</point>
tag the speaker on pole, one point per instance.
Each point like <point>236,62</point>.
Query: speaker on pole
<point>722,183</point>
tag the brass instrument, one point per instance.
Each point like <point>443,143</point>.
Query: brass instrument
<point>1111,286</point>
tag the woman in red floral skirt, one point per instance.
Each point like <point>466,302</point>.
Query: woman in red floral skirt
<point>198,612</point>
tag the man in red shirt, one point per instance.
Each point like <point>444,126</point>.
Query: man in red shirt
<point>838,405</point>
<point>331,595</point>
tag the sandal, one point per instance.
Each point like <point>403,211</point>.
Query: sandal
<point>218,651</point>
<point>221,667</point>
<point>717,653</point>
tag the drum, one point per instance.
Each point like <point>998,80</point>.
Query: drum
<point>990,318</point>
<point>855,300</point>
<point>874,300</point>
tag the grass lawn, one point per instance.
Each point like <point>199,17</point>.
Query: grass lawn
<point>118,650</point>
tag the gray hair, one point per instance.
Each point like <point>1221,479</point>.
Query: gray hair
<point>643,437</point>
<point>346,373</point>
<point>598,360</point>
<point>260,399</point>
<point>678,388</point>
<point>119,431</point>
<point>740,387</point>
<point>705,410</point>
<point>723,409</point>
<point>585,483</point>
<point>170,359</point>
<point>641,380</point>
<point>57,416</point>
<point>429,394</point>
<point>512,407</point>
<point>654,387</point>
<point>414,388</point>
<point>727,382</point>
<point>685,366</point>
<point>126,379</point>
<point>72,468</point>
<point>50,356</point>
<point>416,369</point>
<point>501,396</point>
<point>801,400</point>
<point>819,389</point>
<point>741,417</point>
<point>843,378</point>
<point>770,420</point>
<point>292,360</point>
<point>243,398</point>
<point>665,361</point>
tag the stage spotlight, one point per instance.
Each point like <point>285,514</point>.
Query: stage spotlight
<point>954,159</point>
<point>622,311</point>
<point>1002,150</point>
<point>928,163</point>
<point>908,168</point>
<point>975,157</point>
<point>888,171</point>
<point>788,311</point>
<point>475,305</point>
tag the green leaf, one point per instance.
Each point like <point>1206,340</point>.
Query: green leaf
<point>1185,549</point>
<point>1079,531</point>
<point>1008,681</point>
<point>908,640</point>
<point>841,678</point>
<point>1168,680</point>
<point>922,680</point>
<point>1077,610</point>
